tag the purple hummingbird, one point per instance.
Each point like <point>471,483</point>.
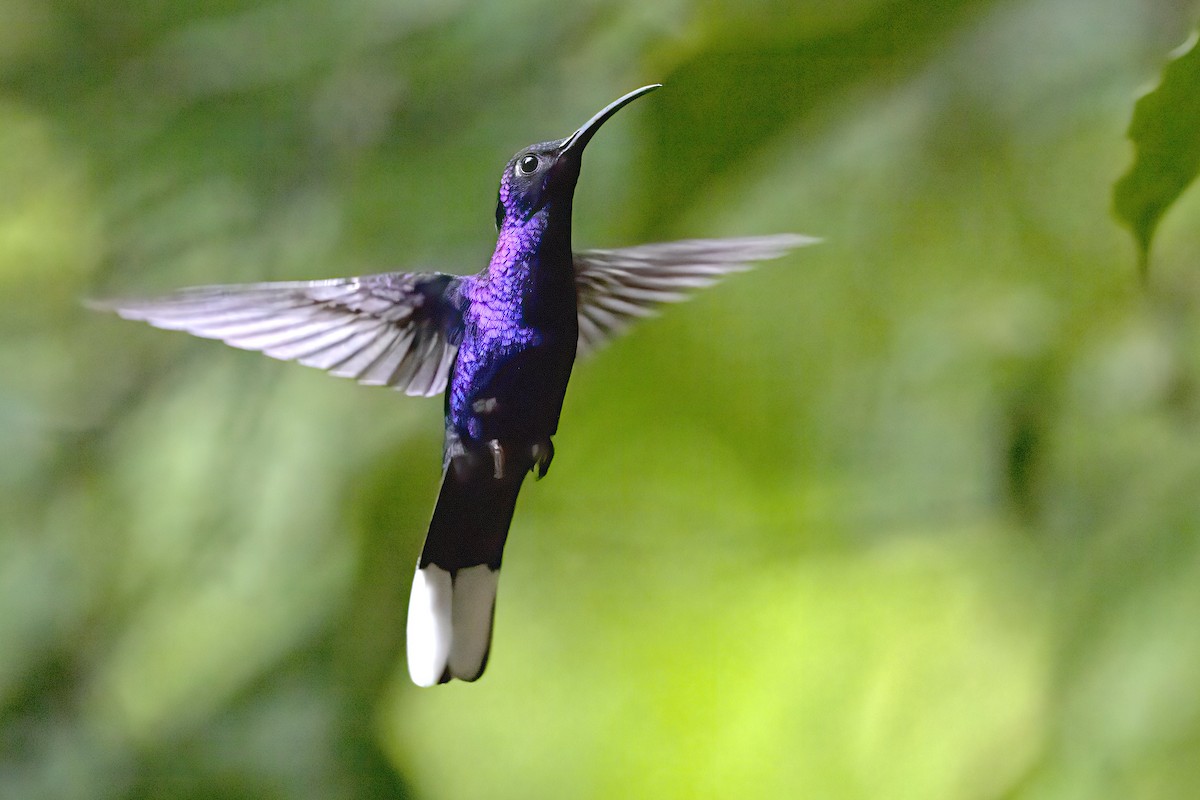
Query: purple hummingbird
<point>501,344</point>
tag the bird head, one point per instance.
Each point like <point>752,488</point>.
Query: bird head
<point>545,173</point>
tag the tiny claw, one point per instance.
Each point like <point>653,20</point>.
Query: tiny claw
<point>543,454</point>
<point>457,457</point>
<point>497,458</point>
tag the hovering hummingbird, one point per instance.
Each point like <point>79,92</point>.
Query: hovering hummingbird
<point>501,344</point>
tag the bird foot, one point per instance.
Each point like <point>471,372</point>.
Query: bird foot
<point>462,460</point>
<point>543,454</point>
<point>497,458</point>
<point>456,456</point>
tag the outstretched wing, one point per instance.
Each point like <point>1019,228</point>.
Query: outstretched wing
<point>394,329</point>
<point>616,287</point>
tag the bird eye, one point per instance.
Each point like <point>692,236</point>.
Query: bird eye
<point>528,164</point>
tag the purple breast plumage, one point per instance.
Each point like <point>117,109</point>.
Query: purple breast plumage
<point>495,328</point>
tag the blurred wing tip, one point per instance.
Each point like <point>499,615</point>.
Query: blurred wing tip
<point>803,240</point>
<point>123,307</point>
<point>781,244</point>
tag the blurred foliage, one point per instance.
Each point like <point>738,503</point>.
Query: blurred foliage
<point>1166,132</point>
<point>911,514</point>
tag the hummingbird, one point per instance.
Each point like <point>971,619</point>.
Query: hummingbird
<point>500,345</point>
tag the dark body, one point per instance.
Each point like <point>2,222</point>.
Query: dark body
<point>520,331</point>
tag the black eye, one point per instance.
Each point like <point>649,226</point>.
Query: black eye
<point>527,165</point>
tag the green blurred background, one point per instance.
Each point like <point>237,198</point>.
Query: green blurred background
<point>911,514</point>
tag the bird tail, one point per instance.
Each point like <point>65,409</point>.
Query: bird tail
<point>454,591</point>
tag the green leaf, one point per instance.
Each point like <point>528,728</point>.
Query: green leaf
<point>1166,136</point>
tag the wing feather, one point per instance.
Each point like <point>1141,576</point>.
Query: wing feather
<point>397,329</point>
<point>615,288</point>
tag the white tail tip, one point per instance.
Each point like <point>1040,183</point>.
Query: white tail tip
<point>450,623</point>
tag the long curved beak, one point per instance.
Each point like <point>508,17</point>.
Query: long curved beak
<point>581,137</point>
